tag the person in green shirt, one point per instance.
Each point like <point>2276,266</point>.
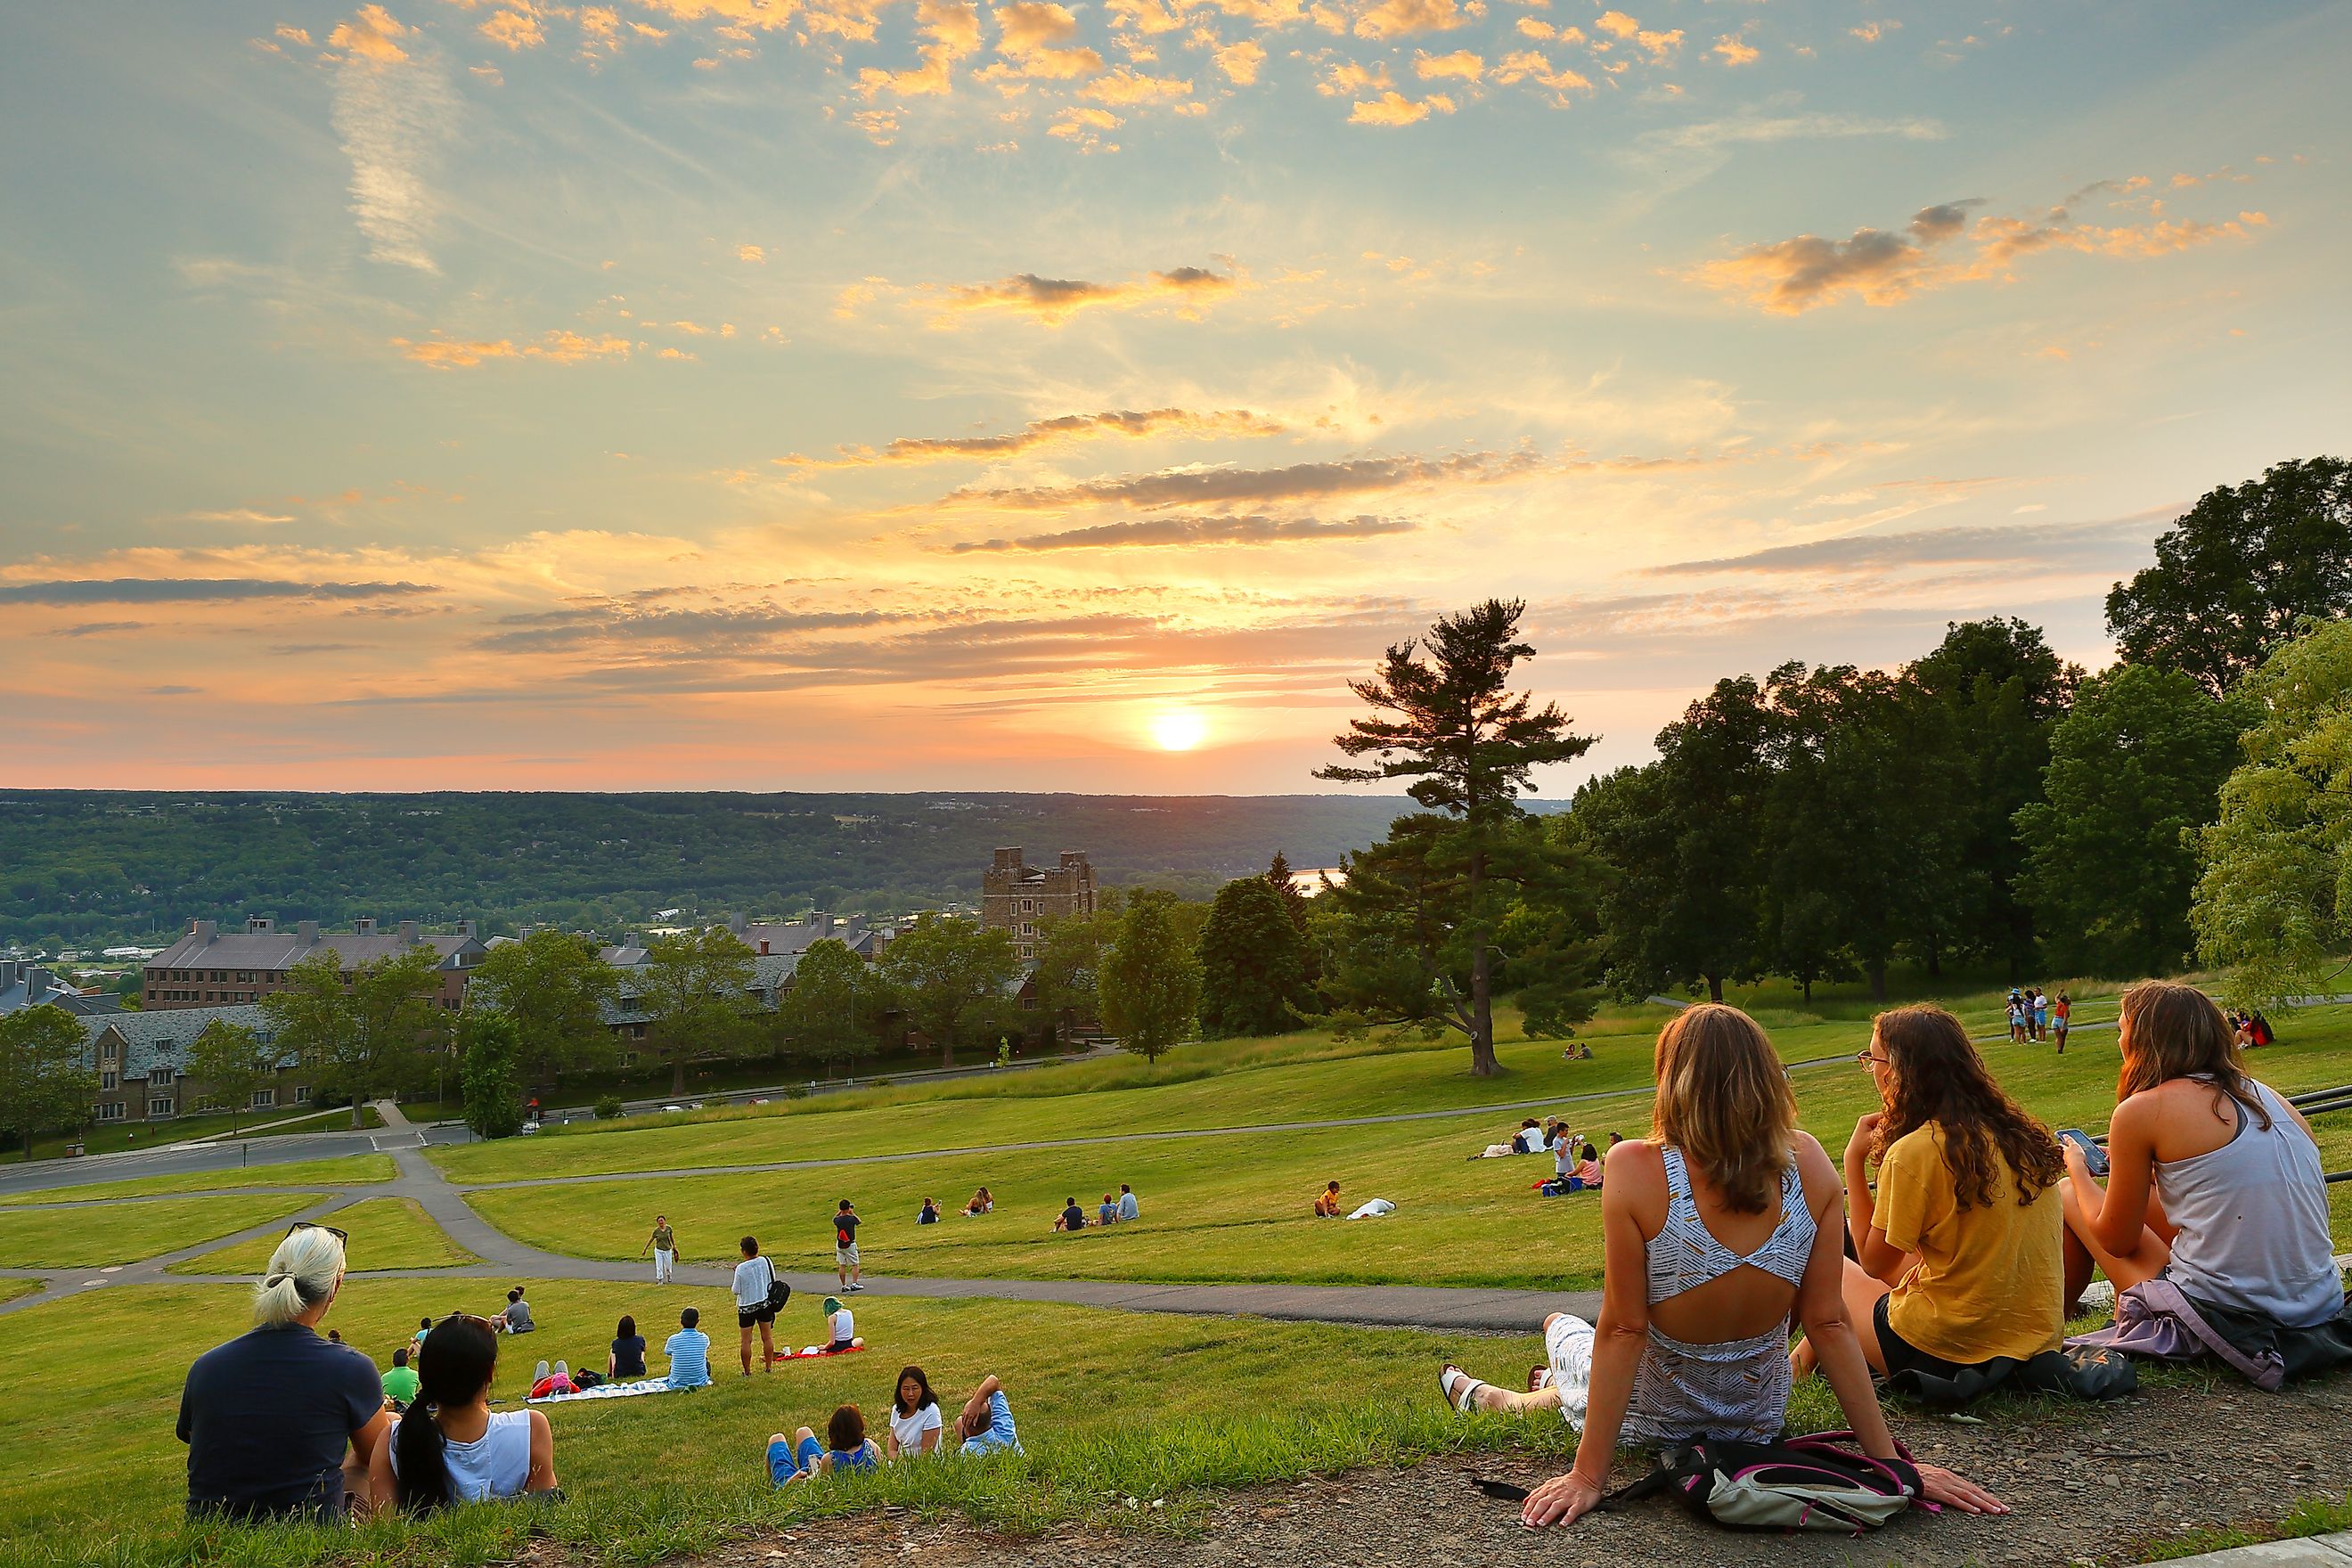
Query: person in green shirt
<point>400,1382</point>
<point>664,1243</point>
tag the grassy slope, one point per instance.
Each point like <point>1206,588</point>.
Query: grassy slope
<point>1235,1207</point>
<point>12,1289</point>
<point>385,1233</point>
<point>97,1474</point>
<point>125,1233</point>
<point>349,1169</point>
<point>114,1137</point>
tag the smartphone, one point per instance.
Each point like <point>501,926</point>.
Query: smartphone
<point>2095,1157</point>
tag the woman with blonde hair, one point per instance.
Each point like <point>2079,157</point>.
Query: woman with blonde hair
<point>279,1422</point>
<point>1958,1259</point>
<point>2213,1220</point>
<point>1716,1229</point>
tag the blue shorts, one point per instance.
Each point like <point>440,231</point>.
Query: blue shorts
<point>787,1464</point>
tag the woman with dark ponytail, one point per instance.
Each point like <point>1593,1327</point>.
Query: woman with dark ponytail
<point>450,1445</point>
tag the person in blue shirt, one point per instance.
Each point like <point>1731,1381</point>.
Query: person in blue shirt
<point>845,1447</point>
<point>689,1352</point>
<point>1126,1209</point>
<point>985,1424</point>
<point>1108,1213</point>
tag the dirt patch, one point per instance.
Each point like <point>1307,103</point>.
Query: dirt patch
<point>2087,1487</point>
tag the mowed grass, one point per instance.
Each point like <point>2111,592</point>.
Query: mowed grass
<point>385,1233</point>
<point>15,1289</point>
<point>1110,1406</point>
<point>93,1237</point>
<point>1236,1207</point>
<point>348,1170</point>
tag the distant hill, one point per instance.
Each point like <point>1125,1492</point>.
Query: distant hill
<point>82,866</point>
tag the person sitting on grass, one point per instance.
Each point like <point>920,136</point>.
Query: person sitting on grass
<point>1587,1166</point>
<point>689,1352</point>
<point>400,1382</point>
<point>628,1356</point>
<point>1715,1230</point>
<point>515,1319</point>
<point>1072,1217</point>
<point>801,1457</point>
<point>1107,1213</point>
<point>915,1421</point>
<point>1957,1260</point>
<point>451,1446</point>
<point>424,1327</point>
<point>1127,1207</point>
<point>840,1326</point>
<point>279,1422</point>
<point>985,1423</point>
<point>1326,1202</point>
<point>981,1203</point>
<point>2214,1222</point>
<point>929,1212</point>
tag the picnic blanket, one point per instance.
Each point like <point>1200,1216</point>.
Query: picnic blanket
<point>854,1345</point>
<point>611,1391</point>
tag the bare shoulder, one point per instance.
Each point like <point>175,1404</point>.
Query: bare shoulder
<point>1816,1169</point>
<point>1635,1160</point>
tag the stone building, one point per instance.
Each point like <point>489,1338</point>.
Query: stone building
<point>212,968</point>
<point>1018,897</point>
<point>141,1063</point>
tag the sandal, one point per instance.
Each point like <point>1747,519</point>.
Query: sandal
<point>1459,1394</point>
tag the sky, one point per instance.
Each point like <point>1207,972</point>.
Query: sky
<point>942,394</point>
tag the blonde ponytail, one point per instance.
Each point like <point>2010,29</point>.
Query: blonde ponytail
<point>302,1273</point>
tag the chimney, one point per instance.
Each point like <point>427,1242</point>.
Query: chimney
<point>307,931</point>
<point>38,982</point>
<point>364,925</point>
<point>206,932</point>
<point>1074,857</point>
<point>853,926</point>
<point>739,924</point>
<point>763,947</point>
<point>408,934</point>
<point>465,928</point>
<point>1008,860</point>
<point>823,922</point>
<point>259,923</point>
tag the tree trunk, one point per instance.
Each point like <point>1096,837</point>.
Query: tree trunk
<point>1482,1000</point>
<point>1935,960</point>
<point>1715,987</point>
<point>947,1050</point>
<point>1809,990</point>
<point>677,1073</point>
<point>359,1111</point>
<point>1877,979</point>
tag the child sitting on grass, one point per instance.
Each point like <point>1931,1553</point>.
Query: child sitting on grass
<point>1326,1202</point>
<point>689,1352</point>
<point>802,1457</point>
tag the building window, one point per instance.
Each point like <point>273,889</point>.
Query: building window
<point>109,1050</point>
<point>301,1094</point>
<point>108,1080</point>
<point>159,1078</point>
<point>1027,905</point>
<point>159,1106</point>
<point>262,1098</point>
<point>108,1111</point>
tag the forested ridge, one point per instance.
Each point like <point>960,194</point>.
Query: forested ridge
<point>79,867</point>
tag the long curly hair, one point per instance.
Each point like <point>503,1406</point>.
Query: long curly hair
<point>1724,1101</point>
<point>1940,1077</point>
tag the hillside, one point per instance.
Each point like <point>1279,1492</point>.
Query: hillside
<point>83,867</point>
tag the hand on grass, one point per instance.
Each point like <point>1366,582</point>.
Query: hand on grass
<point>1939,1485</point>
<point>1563,1500</point>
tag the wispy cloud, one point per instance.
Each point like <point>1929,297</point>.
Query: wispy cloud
<point>2038,546</point>
<point>393,111</point>
<point>1188,290</point>
<point>1212,487</point>
<point>1157,533</point>
<point>1134,423</point>
<point>192,590</point>
<point>559,347</point>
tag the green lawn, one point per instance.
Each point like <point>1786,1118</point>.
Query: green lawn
<point>95,1473</point>
<point>385,1233</point>
<point>125,1233</point>
<point>1236,1207</point>
<point>114,1137</point>
<point>348,1170</point>
<point>10,1289</point>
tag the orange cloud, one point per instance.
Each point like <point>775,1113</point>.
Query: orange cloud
<point>1393,109</point>
<point>1735,51</point>
<point>953,27</point>
<point>750,253</point>
<point>1527,65</point>
<point>558,347</point>
<point>1402,18</point>
<point>1461,65</point>
<point>1134,423</point>
<point>1240,61</point>
<point>369,34</point>
<point>1871,31</point>
<point>1054,301</point>
<point>517,30</point>
<point>1124,86</point>
<point>1035,35</point>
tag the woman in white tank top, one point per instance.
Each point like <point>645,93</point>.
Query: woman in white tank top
<point>450,1445</point>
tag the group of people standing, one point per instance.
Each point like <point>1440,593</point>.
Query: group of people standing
<point>2033,1016</point>
<point>1727,1224</point>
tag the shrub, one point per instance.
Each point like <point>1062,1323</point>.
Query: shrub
<point>608,1107</point>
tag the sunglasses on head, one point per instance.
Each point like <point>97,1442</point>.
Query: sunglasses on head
<point>339,1235</point>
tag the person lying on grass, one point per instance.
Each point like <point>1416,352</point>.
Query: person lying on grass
<point>1960,1260</point>
<point>985,1423</point>
<point>916,1424</point>
<point>451,1446</point>
<point>2214,1222</point>
<point>1715,1229</point>
<point>803,1458</point>
<point>279,1422</point>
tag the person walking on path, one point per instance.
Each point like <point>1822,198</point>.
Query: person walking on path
<point>664,1243</point>
<point>755,1280</point>
<point>844,1248</point>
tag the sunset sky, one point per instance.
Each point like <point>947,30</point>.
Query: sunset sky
<point>712,393</point>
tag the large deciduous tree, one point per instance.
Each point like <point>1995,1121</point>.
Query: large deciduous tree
<point>2135,769</point>
<point>2238,570</point>
<point>493,1074</point>
<point>697,988</point>
<point>366,1036</point>
<point>46,1076</point>
<point>1253,968</point>
<point>2273,903</point>
<point>556,989</point>
<point>1069,968</point>
<point>1151,978</point>
<point>1446,718</point>
<point>956,981</point>
<point>233,1063</point>
<point>834,1005</point>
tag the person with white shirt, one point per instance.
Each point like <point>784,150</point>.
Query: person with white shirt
<point>841,1326</point>
<point>755,1277</point>
<point>1127,1209</point>
<point>915,1421</point>
<point>451,1446</point>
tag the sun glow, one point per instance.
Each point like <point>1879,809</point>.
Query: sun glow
<point>1179,729</point>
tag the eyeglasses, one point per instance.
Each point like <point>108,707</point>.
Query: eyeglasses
<point>1866,1058</point>
<point>342,1235</point>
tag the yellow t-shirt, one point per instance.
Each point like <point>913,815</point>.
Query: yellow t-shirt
<point>1990,1281</point>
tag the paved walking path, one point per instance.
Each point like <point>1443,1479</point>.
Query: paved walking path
<point>2308,1552</point>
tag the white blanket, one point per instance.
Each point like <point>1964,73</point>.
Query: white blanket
<point>611,1391</point>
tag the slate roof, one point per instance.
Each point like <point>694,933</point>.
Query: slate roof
<point>284,948</point>
<point>26,985</point>
<point>165,1036</point>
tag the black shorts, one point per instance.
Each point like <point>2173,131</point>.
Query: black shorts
<point>747,1316</point>
<point>1902,1355</point>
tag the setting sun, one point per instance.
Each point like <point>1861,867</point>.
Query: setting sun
<point>1179,729</point>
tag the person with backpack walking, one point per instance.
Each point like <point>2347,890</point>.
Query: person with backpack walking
<point>755,1304</point>
<point>1716,1229</point>
<point>845,1249</point>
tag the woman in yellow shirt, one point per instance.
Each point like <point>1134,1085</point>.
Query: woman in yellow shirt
<point>1962,1251</point>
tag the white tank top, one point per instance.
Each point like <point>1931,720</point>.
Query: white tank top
<point>2253,1221</point>
<point>494,1465</point>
